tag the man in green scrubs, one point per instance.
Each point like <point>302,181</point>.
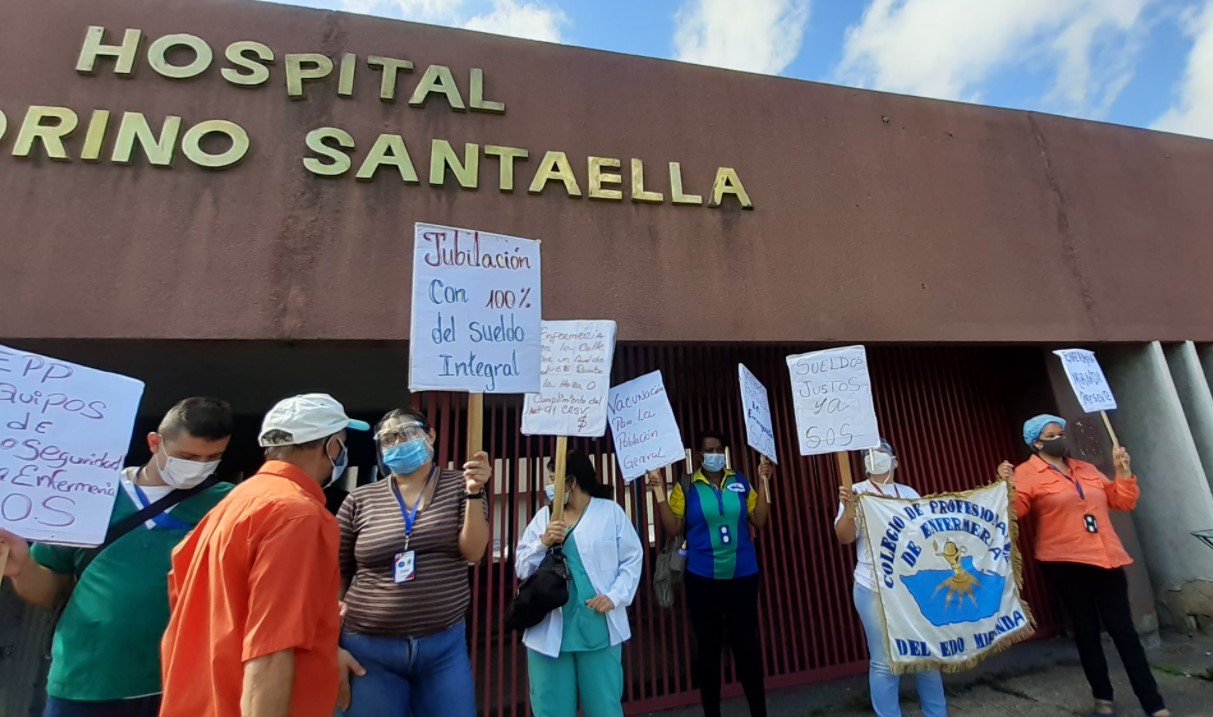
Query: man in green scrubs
<point>105,659</point>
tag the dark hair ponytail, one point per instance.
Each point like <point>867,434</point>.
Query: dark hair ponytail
<point>581,470</point>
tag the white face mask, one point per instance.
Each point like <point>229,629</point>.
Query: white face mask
<point>878,463</point>
<point>180,473</point>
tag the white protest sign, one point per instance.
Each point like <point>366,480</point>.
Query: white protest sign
<point>832,397</point>
<point>643,426</point>
<point>759,430</point>
<point>575,369</point>
<point>946,574</point>
<point>1087,380</point>
<point>64,433</point>
<point>476,312</point>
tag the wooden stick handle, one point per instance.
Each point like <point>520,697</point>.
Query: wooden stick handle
<point>766,482</point>
<point>475,424</point>
<point>1111,433</point>
<point>844,468</point>
<point>3,558</point>
<point>562,448</point>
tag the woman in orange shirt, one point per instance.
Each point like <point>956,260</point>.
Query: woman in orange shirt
<point>1080,554</point>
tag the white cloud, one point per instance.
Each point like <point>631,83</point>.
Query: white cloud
<point>435,11</point>
<point>516,18</point>
<point>1193,113</point>
<point>520,19</point>
<point>755,36</point>
<point>950,48</point>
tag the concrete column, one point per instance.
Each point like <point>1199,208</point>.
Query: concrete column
<point>1176,499</point>
<point>1205,353</point>
<point>1192,385</point>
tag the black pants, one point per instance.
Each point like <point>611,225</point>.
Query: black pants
<point>720,610</point>
<point>137,707</point>
<point>1094,596</point>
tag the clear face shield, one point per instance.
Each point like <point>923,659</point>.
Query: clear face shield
<point>404,446</point>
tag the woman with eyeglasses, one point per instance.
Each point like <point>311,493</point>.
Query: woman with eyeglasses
<point>406,543</point>
<point>1081,555</point>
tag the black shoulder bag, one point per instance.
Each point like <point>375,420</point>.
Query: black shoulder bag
<point>541,593</point>
<point>134,520</point>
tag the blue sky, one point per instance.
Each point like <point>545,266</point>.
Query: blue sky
<point>1147,63</point>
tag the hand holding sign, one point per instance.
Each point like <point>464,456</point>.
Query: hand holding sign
<point>1122,461</point>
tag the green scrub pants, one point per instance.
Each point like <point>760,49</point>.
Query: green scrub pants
<point>594,679</point>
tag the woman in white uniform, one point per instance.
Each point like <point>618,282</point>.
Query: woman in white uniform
<point>881,465</point>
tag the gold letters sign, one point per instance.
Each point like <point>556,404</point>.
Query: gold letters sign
<point>62,134</point>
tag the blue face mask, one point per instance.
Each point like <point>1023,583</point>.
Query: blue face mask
<point>339,465</point>
<point>550,491</point>
<point>713,462</point>
<point>405,458</point>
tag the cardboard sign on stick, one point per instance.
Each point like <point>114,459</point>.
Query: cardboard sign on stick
<point>476,312</point>
<point>575,371</point>
<point>643,426</point>
<point>832,398</point>
<point>759,429</point>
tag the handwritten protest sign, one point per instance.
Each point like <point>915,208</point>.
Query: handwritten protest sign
<point>1087,379</point>
<point>476,312</point>
<point>946,577</point>
<point>643,426</point>
<point>64,433</point>
<point>575,366</point>
<point>832,398</point>
<point>759,431</point>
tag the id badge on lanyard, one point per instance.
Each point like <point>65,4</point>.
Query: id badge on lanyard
<point>404,564</point>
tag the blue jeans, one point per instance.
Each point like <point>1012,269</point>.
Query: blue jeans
<point>137,707</point>
<point>418,676</point>
<point>884,685</point>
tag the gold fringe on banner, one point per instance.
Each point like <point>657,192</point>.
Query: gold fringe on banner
<point>1004,641</point>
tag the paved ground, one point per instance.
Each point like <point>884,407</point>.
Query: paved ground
<point>1040,679</point>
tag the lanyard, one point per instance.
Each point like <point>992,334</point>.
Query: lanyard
<point>163,520</point>
<point>410,516</point>
<point>896,492</point>
<point>1081,495</point>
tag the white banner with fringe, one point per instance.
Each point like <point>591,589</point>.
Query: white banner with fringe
<point>947,577</point>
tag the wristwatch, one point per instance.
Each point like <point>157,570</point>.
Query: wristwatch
<point>473,496</point>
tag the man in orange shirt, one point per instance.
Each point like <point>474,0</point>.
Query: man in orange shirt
<point>253,590</point>
<point>1081,555</point>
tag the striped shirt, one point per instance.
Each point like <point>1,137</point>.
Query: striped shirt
<point>372,533</point>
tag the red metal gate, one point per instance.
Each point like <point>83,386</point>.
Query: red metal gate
<point>944,408</point>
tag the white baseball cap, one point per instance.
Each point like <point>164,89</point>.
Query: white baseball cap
<point>307,418</point>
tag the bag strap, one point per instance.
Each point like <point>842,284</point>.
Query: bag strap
<point>134,520</point>
<point>684,482</point>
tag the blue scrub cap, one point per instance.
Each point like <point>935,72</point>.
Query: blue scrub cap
<point>1033,427</point>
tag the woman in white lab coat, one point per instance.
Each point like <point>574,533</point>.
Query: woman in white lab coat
<point>575,656</point>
